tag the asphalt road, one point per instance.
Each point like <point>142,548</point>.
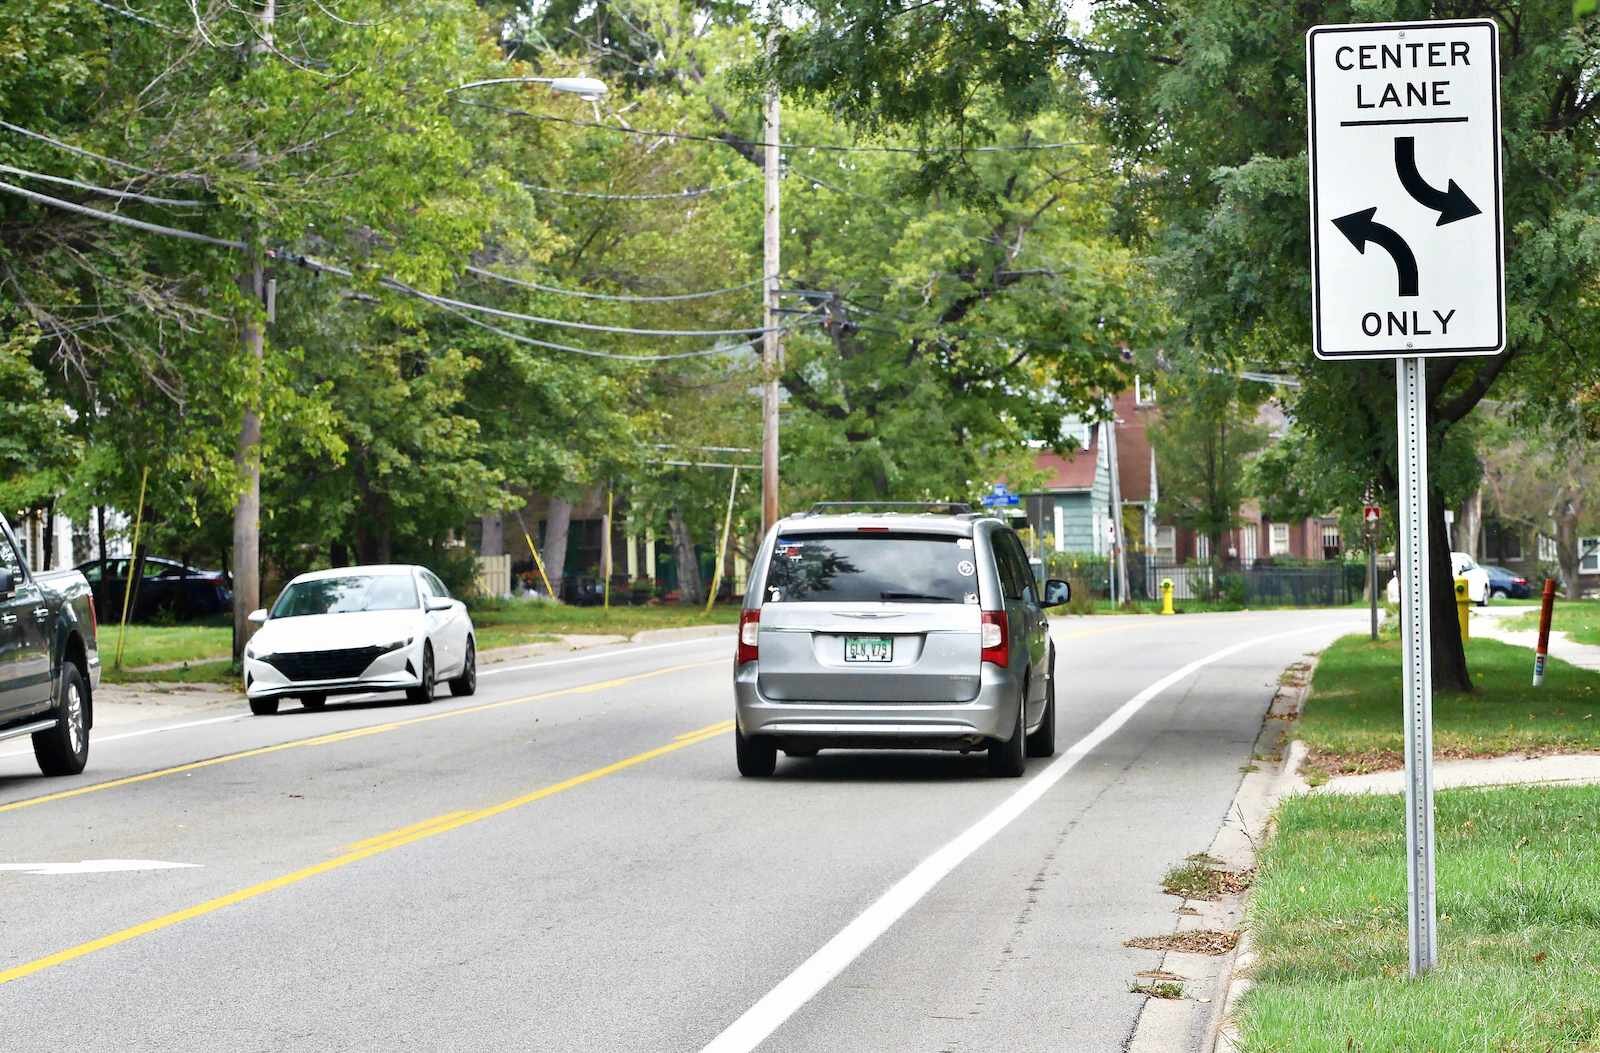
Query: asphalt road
<point>569,861</point>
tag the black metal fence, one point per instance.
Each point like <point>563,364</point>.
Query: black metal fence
<point>1266,583</point>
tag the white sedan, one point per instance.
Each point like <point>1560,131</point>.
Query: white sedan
<point>360,629</point>
<point>1462,566</point>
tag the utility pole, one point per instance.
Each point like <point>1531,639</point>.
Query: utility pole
<point>1118,553</point>
<point>247,511</point>
<point>771,344</point>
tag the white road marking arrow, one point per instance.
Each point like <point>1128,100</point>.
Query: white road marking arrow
<point>93,866</point>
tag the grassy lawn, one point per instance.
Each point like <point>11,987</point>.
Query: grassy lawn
<point>1581,618</point>
<point>508,622</point>
<point>219,671</point>
<point>1519,917</point>
<point>160,644</point>
<point>1353,720</point>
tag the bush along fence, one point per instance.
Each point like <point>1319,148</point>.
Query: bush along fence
<point>1266,583</point>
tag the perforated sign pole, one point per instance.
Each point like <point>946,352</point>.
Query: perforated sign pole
<point>1412,410</point>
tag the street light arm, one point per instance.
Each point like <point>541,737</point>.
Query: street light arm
<point>584,87</point>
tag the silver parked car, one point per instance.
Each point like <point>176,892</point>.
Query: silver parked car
<point>885,630</point>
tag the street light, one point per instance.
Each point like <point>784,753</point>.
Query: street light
<point>586,88</point>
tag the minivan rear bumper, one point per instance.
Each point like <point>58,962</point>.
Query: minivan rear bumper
<point>880,725</point>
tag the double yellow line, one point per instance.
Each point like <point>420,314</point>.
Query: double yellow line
<point>353,733</point>
<point>372,846</point>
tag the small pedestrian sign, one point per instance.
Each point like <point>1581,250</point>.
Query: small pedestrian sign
<point>999,496</point>
<point>1372,513</point>
<point>1406,247</point>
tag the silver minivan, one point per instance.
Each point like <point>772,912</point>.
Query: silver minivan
<point>895,630</point>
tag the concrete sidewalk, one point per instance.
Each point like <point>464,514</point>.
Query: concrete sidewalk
<point>1487,621</point>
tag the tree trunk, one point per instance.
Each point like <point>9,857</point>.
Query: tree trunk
<point>558,522</point>
<point>494,535</point>
<point>689,583</point>
<point>1469,528</point>
<point>100,522</point>
<point>1449,657</point>
<point>338,554</point>
<point>374,540</point>
<point>1567,552</point>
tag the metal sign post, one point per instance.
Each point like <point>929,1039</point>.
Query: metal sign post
<point>1404,147</point>
<point>1412,407</point>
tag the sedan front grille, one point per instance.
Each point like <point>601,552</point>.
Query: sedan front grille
<point>325,665</point>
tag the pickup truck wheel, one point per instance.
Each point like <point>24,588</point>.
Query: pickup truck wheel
<point>1008,757</point>
<point>64,749</point>
<point>263,707</point>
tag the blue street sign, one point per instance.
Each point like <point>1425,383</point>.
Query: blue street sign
<point>1000,496</point>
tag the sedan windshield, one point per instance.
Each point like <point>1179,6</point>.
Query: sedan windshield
<point>351,595</point>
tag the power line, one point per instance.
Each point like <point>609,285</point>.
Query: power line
<point>675,195</point>
<point>125,13</point>
<point>81,152</point>
<point>125,195</point>
<point>595,328</point>
<point>112,217</point>
<point>731,140</point>
<point>615,297</point>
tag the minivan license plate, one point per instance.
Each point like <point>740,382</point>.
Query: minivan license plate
<point>868,649</point>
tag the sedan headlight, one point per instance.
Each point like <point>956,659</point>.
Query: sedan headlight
<point>398,644</point>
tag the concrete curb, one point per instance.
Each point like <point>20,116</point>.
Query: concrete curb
<point>1170,1026</point>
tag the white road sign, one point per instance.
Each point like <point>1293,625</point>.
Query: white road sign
<point>1404,129</point>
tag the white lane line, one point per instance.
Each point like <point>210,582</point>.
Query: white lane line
<point>101,740</point>
<point>799,987</point>
<point>92,866</point>
<point>622,652</point>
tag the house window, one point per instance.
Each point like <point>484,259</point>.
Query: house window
<point>1330,540</point>
<point>1589,553</point>
<point>1167,543</point>
<point>1249,537</point>
<point>1202,547</point>
<point>1278,540</point>
<point>1511,544</point>
<point>1061,528</point>
<point>1144,393</point>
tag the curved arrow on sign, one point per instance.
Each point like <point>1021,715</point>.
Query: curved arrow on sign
<point>1451,204</point>
<point>1361,228</point>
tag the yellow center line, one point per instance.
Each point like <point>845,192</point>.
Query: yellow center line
<point>722,725</point>
<point>353,733</point>
<point>361,850</point>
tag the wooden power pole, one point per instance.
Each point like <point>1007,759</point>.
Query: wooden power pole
<point>771,342</point>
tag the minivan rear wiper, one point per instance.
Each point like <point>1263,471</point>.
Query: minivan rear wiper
<point>922,597</point>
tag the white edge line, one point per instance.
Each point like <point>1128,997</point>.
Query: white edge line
<point>799,987</point>
<point>622,652</point>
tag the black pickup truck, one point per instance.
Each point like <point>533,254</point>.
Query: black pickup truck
<point>49,660</point>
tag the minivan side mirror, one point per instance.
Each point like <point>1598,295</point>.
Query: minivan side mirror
<point>257,616</point>
<point>1056,592</point>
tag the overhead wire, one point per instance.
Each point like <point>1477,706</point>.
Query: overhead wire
<point>732,140</point>
<point>613,297</point>
<point>670,195</point>
<point>125,195</point>
<point>81,152</point>
<point>126,221</point>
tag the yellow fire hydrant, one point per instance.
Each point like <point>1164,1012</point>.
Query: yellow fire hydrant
<point>1166,596</point>
<point>1463,602</point>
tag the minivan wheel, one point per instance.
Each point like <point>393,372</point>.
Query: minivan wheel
<point>758,758</point>
<point>64,749</point>
<point>1042,743</point>
<point>1007,757</point>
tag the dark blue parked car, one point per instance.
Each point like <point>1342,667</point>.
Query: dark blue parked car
<point>1505,585</point>
<point>166,587</point>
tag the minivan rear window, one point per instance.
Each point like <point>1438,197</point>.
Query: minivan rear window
<point>872,568</point>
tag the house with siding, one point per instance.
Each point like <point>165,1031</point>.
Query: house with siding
<point>1071,511</point>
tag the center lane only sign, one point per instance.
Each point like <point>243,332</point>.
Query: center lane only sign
<point>1404,130</point>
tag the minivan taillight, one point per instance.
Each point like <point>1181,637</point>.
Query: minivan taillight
<point>995,639</point>
<point>749,636</point>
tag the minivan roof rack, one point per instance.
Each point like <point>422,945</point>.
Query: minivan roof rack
<point>954,508</point>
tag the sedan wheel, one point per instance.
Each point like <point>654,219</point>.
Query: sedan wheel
<point>467,682</point>
<point>423,692</point>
